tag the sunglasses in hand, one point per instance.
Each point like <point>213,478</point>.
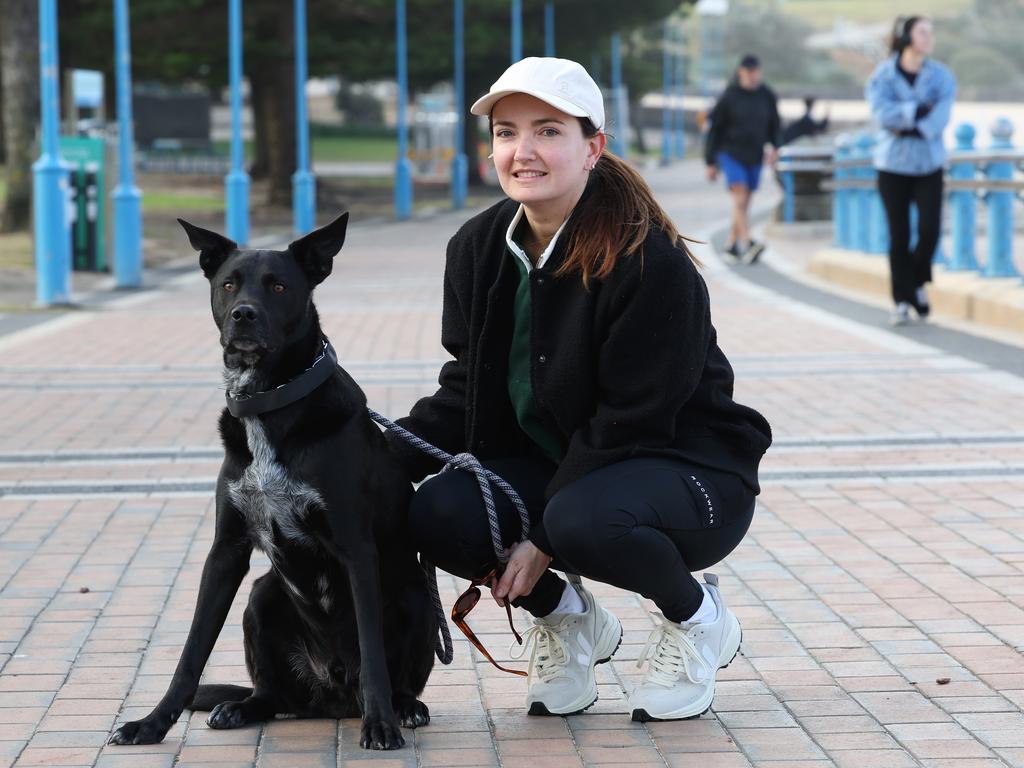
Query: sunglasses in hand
<point>467,602</point>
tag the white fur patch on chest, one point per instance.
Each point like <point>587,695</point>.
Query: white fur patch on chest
<point>269,498</point>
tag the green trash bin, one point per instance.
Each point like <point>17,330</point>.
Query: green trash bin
<point>87,204</point>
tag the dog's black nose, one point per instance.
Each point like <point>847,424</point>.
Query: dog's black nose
<point>243,312</point>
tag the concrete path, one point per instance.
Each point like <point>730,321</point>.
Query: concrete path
<point>881,589</point>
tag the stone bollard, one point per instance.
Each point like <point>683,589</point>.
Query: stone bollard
<point>962,205</point>
<point>1000,207</point>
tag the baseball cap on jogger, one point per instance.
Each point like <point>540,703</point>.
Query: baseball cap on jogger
<point>562,83</point>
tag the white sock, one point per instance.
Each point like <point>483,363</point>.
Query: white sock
<point>708,611</point>
<point>571,601</point>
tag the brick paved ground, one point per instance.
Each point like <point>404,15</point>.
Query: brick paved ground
<point>886,557</point>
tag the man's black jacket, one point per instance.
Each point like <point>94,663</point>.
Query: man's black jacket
<point>742,122</point>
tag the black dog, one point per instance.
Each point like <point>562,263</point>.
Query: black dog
<point>342,625</point>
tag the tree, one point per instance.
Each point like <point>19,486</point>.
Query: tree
<point>19,68</point>
<point>178,40</point>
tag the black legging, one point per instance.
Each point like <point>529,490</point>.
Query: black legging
<point>911,270</point>
<point>642,525</point>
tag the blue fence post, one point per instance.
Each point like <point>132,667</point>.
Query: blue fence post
<point>549,28</point>
<point>303,182</point>
<point>788,195</point>
<point>620,139</point>
<point>403,168</point>
<point>127,200</point>
<point>517,30</point>
<point>861,220</point>
<point>1000,207</point>
<point>460,164</point>
<point>679,115</point>
<point>49,200</point>
<point>840,196</point>
<point>236,183</point>
<point>962,202</point>
<point>667,119</point>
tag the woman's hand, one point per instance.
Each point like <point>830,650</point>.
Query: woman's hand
<point>522,571</point>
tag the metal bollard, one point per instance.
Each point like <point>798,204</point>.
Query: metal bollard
<point>840,194</point>
<point>962,202</point>
<point>862,196</point>
<point>1000,207</point>
<point>788,193</point>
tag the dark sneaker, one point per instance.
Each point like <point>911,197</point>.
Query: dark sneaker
<point>921,305</point>
<point>731,255</point>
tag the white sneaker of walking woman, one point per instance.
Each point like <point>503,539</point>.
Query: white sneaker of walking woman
<point>566,648</point>
<point>684,659</point>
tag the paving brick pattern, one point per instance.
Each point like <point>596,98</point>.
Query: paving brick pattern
<point>881,589</point>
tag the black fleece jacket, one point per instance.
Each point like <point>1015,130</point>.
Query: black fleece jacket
<point>628,367</point>
<point>742,122</point>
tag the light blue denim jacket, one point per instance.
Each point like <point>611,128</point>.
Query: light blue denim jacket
<point>893,104</point>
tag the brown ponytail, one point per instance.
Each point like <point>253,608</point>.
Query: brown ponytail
<point>613,221</point>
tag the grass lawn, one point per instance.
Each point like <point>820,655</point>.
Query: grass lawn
<point>168,200</point>
<point>337,148</point>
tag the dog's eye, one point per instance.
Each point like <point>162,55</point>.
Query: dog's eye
<point>229,285</point>
<point>278,287</point>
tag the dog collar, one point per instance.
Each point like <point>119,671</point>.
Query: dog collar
<point>241,405</point>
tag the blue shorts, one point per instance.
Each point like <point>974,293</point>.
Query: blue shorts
<point>737,173</point>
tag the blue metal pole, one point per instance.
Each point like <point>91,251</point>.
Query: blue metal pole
<point>236,183</point>
<point>788,194</point>
<point>303,181</point>
<point>619,139</point>
<point>460,164</point>
<point>667,118</point>
<point>679,113</point>
<point>549,29</point>
<point>403,168</point>
<point>862,206</point>
<point>126,196</point>
<point>840,226</point>
<point>517,30</point>
<point>52,232</point>
<point>962,202</point>
<point>1000,207</point>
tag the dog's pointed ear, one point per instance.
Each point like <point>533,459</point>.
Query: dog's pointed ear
<point>315,252</point>
<point>213,248</point>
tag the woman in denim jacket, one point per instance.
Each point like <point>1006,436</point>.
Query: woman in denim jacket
<point>911,97</point>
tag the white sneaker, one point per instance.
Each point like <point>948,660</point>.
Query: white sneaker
<point>684,659</point>
<point>566,648</point>
<point>900,314</point>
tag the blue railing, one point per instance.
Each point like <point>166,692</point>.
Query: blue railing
<point>974,177</point>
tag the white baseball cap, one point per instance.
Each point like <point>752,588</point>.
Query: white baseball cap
<point>562,83</point>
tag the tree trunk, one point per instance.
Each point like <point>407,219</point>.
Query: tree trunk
<point>641,143</point>
<point>475,88</point>
<point>19,49</point>
<point>272,79</point>
<point>259,102</point>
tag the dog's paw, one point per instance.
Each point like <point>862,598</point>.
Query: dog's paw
<point>229,714</point>
<point>149,730</point>
<point>412,712</point>
<point>378,734</point>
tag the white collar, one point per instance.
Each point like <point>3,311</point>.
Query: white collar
<point>514,246</point>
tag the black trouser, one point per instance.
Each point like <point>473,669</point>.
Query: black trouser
<point>911,270</point>
<point>642,525</point>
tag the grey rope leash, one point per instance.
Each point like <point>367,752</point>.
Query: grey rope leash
<point>484,478</point>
